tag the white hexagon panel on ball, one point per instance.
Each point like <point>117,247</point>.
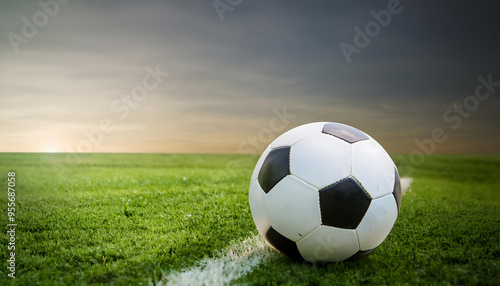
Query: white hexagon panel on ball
<point>328,244</point>
<point>293,208</point>
<point>257,199</point>
<point>373,168</point>
<point>320,160</point>
<point>377,223</point>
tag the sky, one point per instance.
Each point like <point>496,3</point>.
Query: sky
<point>229,76</point>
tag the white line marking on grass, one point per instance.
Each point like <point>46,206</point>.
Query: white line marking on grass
<point>405,184</point>
<point>235,262</point>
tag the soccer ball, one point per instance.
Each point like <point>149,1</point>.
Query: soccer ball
<point>325,192</point>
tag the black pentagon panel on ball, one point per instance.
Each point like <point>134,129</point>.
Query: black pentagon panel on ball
<point>344,204</point>
<point>344,132</point>
<point>360,254</point>
<point>276,166</point>
<point>397,188</point>
<point>283,244</point>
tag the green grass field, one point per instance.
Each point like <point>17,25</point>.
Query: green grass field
<point>128,219</point>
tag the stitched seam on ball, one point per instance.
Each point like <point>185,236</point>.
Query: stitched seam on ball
<point>339,181</point>
<point>256,179</point>
<point>383,196</point>
<point>290,160</point>
<point>317,190</point>
<point>350,157</point>
<point>308,234</point>
<point>280,147</point>
<point>267,210</point>
<point>364,189</point>
<point>313,186</point>
<point>364,215</point>
<point>357,238</point>
<point>304,138</point>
